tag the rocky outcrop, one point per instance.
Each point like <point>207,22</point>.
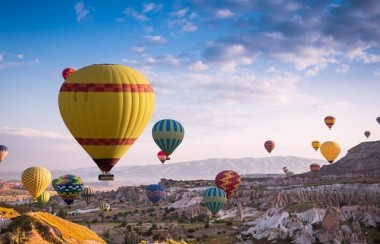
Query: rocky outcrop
<point>332,195</point>
<point>313,225</point>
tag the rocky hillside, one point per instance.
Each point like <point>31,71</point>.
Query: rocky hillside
<point>39,227</point>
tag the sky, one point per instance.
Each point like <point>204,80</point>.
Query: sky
<point>234,73</point>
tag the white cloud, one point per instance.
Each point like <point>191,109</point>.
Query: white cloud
<point>26,132</point>
<point>271,69</point>
<point>138,49</point>
<point>134,14</point>
<point>189,27</point>
<point>180,13</point>
<point>155,39</point>
<point>171,60</point>
<point>343,68</point>
<point>198,66</point>
<point>1,57</point>
<point>81,12</point>
<point>376,72</point>
<point>223,13</point>
<point>152,7</point>
<point>20,56</point>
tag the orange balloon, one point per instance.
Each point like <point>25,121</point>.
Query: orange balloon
<point>67,72</point>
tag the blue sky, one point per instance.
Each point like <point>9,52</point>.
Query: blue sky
<point>234,73</point>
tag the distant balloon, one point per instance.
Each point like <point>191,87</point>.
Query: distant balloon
<point>104,207</point>
<point>269,146</point>
<point>214,199</point>
<point>314,167</point>
<point>367,133</point>
<point>330,150</point>
<point>87,194</point>
<point>378,120</point>
<point>168,134</point>
<point>67,72</point>
<point>285,169</point>
<point>69,187</point>
<point>3,152</point>
<point>229,181</point>
<point>36,180</point>
<point>161,156</point>
<point>329,121</point>
<point>289,173</point>
<point>43,198</point>
<point>316,144</point>
<point>155,193</point>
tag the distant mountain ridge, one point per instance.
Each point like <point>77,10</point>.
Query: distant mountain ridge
<point>191,170</point>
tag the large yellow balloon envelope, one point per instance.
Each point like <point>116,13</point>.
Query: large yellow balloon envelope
<point>330,150</point>
<point>36,180</point>
<point>106,107</point>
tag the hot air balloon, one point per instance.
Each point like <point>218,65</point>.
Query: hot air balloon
<point>288,174</point>
<point>155,193</point>
<point>285,169</point>
<point>168,134</point>
<point>330,150</point>
<point>314,167</point>
<point>316,144</point>
<point>88,194</point>
<point>36,180</point>
<point>53,184</point>
<point>3,152</point>
<point>161,156</point>
<point>378,120</point>
<point>43,198</point>
<point>106,108</point>
<point>367,133</point>
<point>229,181</point>
<point>69,187</point>
<point>104,207</point>
<point>214,199</point>
<point>269,146</point>
<point>329,121</point>
<point>67,72</point>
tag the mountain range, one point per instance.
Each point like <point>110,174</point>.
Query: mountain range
<point>205,169</point>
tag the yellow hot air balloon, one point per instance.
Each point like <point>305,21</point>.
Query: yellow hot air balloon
<point>330,150</point>
<point>43,198</point>
<point>316,144</point>
<point>36,180</point>
<point>106,107</point>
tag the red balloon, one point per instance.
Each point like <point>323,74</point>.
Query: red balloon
<point>67,72</point>
<point>315,167</point>
<point>229,181</point>
<point>161,156</point>
<point>269,145</point>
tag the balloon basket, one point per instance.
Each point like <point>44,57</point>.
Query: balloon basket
<point>105,177</point>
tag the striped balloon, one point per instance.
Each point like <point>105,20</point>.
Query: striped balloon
<point>69,187</point>
<point>3,152</point>
<point>269,146</point>
<point>330,121</point>
<point>36,180</point>
<point>314,167</point>
<point>168,134</point>
<point>229,181</point>
<point>67,72</point>
<point>155,193</point>
<point>316,144</point>
<point>104,207</point>
<point>43,198</point>
<point>214,199</point>
<point>88,194</point>
<point>106,107</point>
